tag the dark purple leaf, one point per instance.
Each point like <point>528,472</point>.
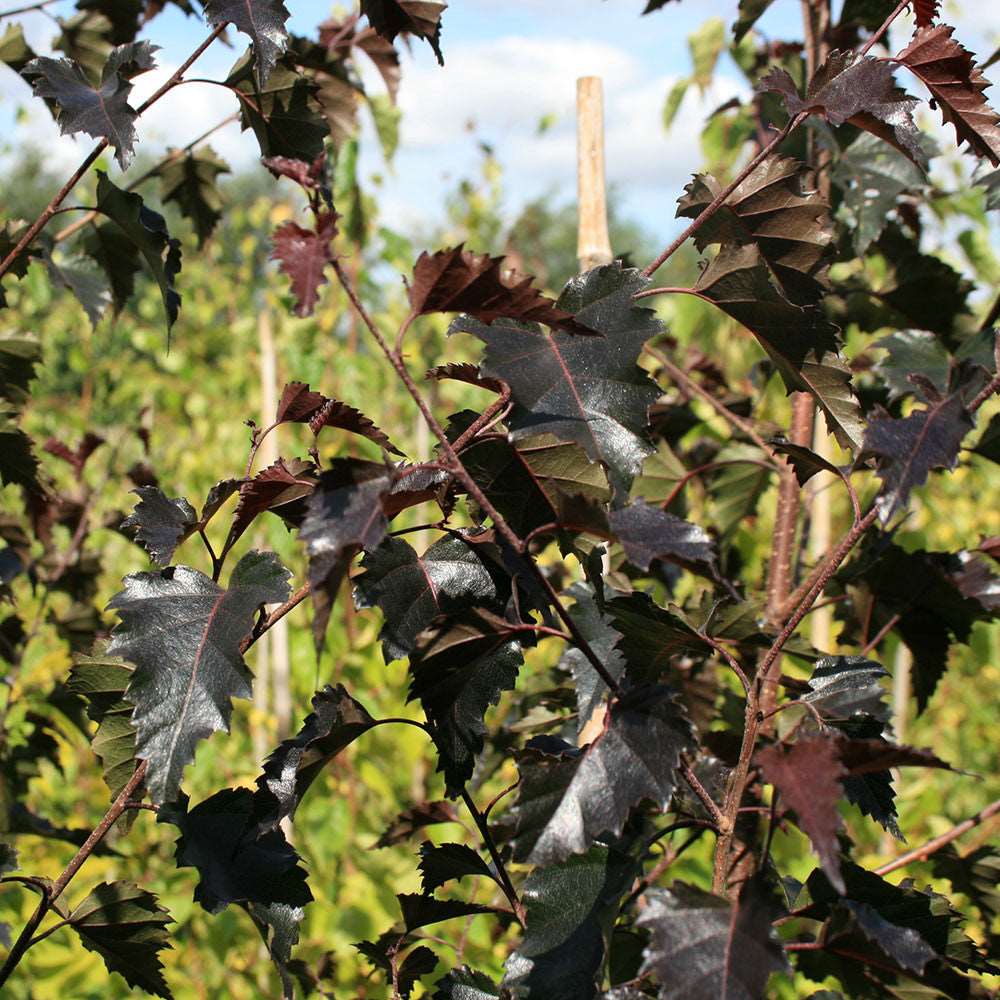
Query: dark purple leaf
<point>804,461</point>
<point>159,523</point>
<point>843,686</point>
<point>102,111</point>
<point>303,255</point>
<point>190,181</point>
<point>182,690</point>
<point>584,389</point>
<point>703,947</point>
<point>908,448</point>
<point>407,17</point>
<point>420,911</point>
<point>464,983</point>
<point>648,533</point>
<point>262,20</point>
<point>283,484</point>
<point>443,862</point>
<point>408,822</point>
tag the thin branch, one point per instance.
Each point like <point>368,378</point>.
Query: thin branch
<point>709,210</point>
<point>47,902</point>
<point>484,420</point>
<point>687,773</point>
<point>879,636</point>
<point>877,37</point>
<point>276,615</point>
<point>171,157</point>
<point>923,852</point>
<point>490,843</point>
<point>28,9</point>
<point>43,219</point>
<point>502,527</point>
<point>990,389</point>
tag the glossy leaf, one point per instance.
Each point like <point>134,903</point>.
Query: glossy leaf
<point>703,947</point>
<point>127,927</point>
<point>283,486</point>
<point>464,983</point>
<point>584,389</point>
<point>648,533</point>
<point>335,722</point>
<point>101,111</point>
<point>950,73</point>
<point>805,462</point>
<point>570,910</point>
<point>182,689</point>
<point>262,20</point>
<point>908,449</point>
<point>413,590</point>
<point>458,669</point>
<point>641,745</point>
<point>159,523</point>
<point>458,280</point>
<point>844,686</point>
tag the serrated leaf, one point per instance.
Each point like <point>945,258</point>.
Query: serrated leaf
<point>409,821</point>
<point>799,340</point>
<point>809,775</point>
<point>189,179</point>
<point>238,861</point>
<point>262,20</point>
<point>159,523</point>
<point>85,39</point>
<point>284,114</point>
<point>278,925</point>
<point>303,255</point>
<point>975,874</point>
<point>950,73</point>
<point>703,947</point>
<point>20,355</point>
<point>804,461</point>
<point>860,91</point>
<point>772,211</point>
<point>127,927</point>
<point>443,862</point>
<point>600,634</point>
<point>913,351</point>
<point>383,954</point>
<point>908,449</point>
<point>420,911</point>
<point>102,680</point>
<point>872,177</point>
<point>570,910</point>
<point>648,533</point>
<point>457,280</point>
<point>844,686</point>
<point>146,233</point>
<point>82,277</point>
<point>336,721</point>
<point>412,590</point>
<point>584,389</point>
<point>102,111</point>
<point>182,690</point>
<point>407,17</point>
<point>641,745</point>
<point>281,487</point>
<point>464,983</point>
<point>531,481</point>
<point>458,668</point>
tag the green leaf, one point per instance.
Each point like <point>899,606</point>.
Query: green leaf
<point>103,111</point>
<point>640,746</point>
<point>127,927</point>
<point>189,179</point>
<point>703,947</point>
<point>706,45</point>
<point>14,49</point>
<point>146,231</point>
<point>386,117</point>
<point>86,39</point>
<point>913,351</point>
<point>750,11</point>
<point>459,668</point>
<point>584,389</point>
<point>675,98</point>
<point>159,523</point>
<point>182,691</point>
<point>413,590</point>
<point>284,114</point>
<point>102,680</point>
<point>442,863</point>
<point>570,910</point>
<point>262,20</point>
<point>335,721</point>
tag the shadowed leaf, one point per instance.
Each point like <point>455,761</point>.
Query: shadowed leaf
<point>407,17</point>
<point>420,911</point>
<point>464,983</point>
<point>648,533</point>
<point>190,181</point>
<point>441,863</point>
<point>703,947</point>
<point>409,821</point>
<point>159,523</point>
<point>285,484</point>
<point>262,20</point>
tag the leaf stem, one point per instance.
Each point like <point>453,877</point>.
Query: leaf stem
<point>60,196</point>
<point>276,615</point>
<point>687,773</point>
<point>877,37</point>
<point>923,852</point>
<point>502,527</point>
<point>47,902</point>
<point>484,831</point>
<point>710,209</point>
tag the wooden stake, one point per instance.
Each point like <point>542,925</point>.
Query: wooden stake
<point>593,246</point>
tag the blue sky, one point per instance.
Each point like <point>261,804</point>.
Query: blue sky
<point>506,66</point>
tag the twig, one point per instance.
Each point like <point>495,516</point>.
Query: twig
<point>879,636</point>
<point>29,8</point>
<point>47,902</point>
<point>40,223</point>
<point>276,615</point>
<point>171,157</point>
<point>709,210</point>
<point>699,790</point>
<point>877,37</point>
<point>502,527</point>
<point>484,832</point>
<point>923,852</point>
